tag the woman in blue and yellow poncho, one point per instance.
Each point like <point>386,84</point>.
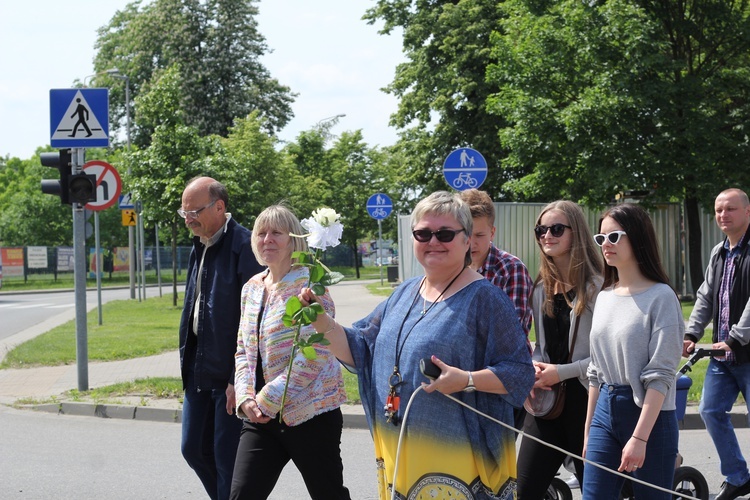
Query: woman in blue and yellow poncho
<point>471,330</point>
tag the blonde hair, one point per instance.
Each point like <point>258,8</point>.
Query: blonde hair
<point>279,217</point>
<point>585,261</point>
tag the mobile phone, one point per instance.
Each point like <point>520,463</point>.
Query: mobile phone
<point>428,368</point>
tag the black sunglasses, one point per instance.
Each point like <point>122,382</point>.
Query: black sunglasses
<point>557,230</point>
<point>442,235</point>
<point>613,237</point>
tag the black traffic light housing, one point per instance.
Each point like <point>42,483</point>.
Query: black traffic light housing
<point>82,188</point>
<point>62,162</point>
<point>71,188</point>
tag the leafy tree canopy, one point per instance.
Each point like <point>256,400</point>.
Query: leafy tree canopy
<point>217,46</point>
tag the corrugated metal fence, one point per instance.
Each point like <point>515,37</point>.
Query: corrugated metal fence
<point>515,223</point>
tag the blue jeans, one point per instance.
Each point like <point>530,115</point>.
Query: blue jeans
<point>724,381</point>
<point>209,439</point>
<point>614,420</point>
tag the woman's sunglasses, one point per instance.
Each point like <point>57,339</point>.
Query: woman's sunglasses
<point>557,230</point>
<point>613,237</point>
<point>442,235</point>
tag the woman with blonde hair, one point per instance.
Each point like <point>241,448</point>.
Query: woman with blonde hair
<point>310,434</point>
<point>562,305</point>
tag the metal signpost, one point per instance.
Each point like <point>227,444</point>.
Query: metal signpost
<point>465,168</point>
<point>79,119</point>
<point>379,206</point>
<point>108,187</point>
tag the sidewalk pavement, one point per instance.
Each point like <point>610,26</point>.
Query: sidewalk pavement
<point>353,301</point>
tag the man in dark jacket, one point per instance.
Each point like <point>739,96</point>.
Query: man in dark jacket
<point>221,262</point>
<point>724,298</point>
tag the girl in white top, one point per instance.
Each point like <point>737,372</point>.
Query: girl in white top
<point>636,345</point>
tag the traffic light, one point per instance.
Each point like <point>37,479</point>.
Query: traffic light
<point>82,188</point>
<point>71,188</point>
<point>62,162</point>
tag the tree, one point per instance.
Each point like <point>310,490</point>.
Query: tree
<point>354,172</point>
<point>216,44</point>
<point>177,153</point>
<point>447,44</point>
<point>617,96</point>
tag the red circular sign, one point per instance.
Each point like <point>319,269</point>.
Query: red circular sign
<point>108,184</point>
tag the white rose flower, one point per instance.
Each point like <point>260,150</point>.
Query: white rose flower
<point>326,216</point>
<point>324,228</point>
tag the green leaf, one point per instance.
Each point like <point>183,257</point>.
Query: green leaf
<point>331,278</point>
<point>309,315</point>
<point>317,273</point>
<point>315,306</point>
<point>309,353</point>
<point>293,304</point>
<point>316,337</point>
<point>302,257</point>
<point>318,289</point>
<point>324,341</point>
<point>288,320</point>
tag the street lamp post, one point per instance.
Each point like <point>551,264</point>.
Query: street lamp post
<point>115,73</point>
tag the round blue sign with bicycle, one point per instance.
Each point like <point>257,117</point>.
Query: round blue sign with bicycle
<point>379,206</point>
<point>465,168</point>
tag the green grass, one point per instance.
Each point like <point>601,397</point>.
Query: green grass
<point>130,329</point>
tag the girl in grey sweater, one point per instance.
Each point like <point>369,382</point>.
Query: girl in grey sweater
<point>636,345</point>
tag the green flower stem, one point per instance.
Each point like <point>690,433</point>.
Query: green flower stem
<point>297,331</point>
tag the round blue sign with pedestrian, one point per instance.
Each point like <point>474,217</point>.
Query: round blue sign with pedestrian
<point>465,168</point>
<point>379,206</point>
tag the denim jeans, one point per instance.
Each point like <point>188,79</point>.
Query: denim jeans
<point>614,420</point>
<point>209,438</point>
<point>724,381</point>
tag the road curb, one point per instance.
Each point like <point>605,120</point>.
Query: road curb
<point>354,417</point>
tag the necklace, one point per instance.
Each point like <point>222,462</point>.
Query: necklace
<point>425,309</point>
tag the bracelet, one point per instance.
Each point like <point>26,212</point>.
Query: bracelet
<point>333,325</point>
<point>639,439</point>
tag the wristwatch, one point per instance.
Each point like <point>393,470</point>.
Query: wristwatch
<point>470,385</point>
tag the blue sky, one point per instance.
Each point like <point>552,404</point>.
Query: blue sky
<point>321,49</point>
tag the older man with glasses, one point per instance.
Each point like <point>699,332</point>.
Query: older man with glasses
<point>221,261</point>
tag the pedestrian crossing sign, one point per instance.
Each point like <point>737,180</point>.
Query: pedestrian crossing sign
<point>79,118</point>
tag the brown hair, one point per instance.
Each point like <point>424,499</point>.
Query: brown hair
<point>585,261</point>
<point>480,204</point>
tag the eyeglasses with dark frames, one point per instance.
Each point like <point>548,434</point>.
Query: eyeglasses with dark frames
<point>442,235</point>
<point>613,237</point>
<point>557,230</point>
<point>193,214</point>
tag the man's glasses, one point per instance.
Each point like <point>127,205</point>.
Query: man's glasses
<point>557,230</point>
<point>193,214</point>
<point>442,235</point>
<point>613,237</point>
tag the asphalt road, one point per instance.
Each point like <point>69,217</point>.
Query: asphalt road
<point>67,457</point>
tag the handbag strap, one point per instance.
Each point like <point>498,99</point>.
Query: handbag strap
<point>573,343</point>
